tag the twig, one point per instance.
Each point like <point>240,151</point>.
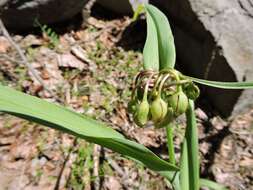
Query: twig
<point>96,156</point>
<point>23,57</point>
<point>57,184</point>
<point>5,56</point>
<point>89,5</point>
<point>87,10</point>
<point>119,170</point>
<point>115,166</point>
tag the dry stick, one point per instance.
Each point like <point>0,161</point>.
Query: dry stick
<point>96,156</point>
<point>87,10</point>
<point>118,169</point>
<point>8,58</point>
<point>23,57</point>
<point>57,184</point>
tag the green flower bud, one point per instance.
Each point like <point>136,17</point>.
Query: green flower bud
<point>158,109</point>
<point>178,102</point>
<point>192,91</point>
<point>142,113</point>
<point>168,119</point>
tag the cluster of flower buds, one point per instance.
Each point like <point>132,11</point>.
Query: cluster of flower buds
<point>160,97</point>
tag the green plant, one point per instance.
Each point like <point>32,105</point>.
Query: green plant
<point>166,93</point>
<point>80,167</point>
<point>48,33</point>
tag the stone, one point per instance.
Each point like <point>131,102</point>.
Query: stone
<point>20,14</point>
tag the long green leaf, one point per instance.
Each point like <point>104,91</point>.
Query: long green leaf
<point>171,150</point>
<point>60,118</point>
<point>167,52</point>
<point>184,167</point>
<point>173,178</point>
<point>150,51</point>
<point>191,136</point>
<point>224,85</point>
<point>211,185</point>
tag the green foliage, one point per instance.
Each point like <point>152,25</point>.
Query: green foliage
<point>159,54</point>
<point>151,50</point>
<point>52,36</point>
<point>211,185</point>
<point>80,167</point>
<point>165,39</point>
<point>191,137</point>
<point>224,85</point>
<point>49,33</point>
<point>184,167</point>
<point>58,117</point>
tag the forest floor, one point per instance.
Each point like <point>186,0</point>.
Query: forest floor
<point>90,66</point>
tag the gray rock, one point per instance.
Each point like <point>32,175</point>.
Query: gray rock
<point>22,14</point>
<point>214,41</point>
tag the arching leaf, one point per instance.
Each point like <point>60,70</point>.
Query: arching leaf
<point>60,118</point>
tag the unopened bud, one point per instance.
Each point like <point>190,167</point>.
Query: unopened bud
<point>167,119</point>
<point>142,113</point>
<point>178,102</point>
<point>192,91</point>
<point>158,109</point>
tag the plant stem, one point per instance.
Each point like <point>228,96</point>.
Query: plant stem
<point>170,130</point>
<point>191,136</point>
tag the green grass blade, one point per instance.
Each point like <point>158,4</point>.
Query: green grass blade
<point>173,178</point>
<point>211,185</point>
<point>60,118</point>
<point>224,85</point>
<point>150,51</point>
<point>167,52</point>
<point>170,131</point>
<point>184,167</point>
<point>191,135</point>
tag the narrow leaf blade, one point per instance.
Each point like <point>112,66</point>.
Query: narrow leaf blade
<point>150,51</point>
<point>224,85</point>
<point>184,167</point>
<point>167,52</point>
<point>191,136</point>
<point>211,185</point>
<point>60,118</point>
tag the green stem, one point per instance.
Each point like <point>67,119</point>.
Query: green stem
<point>191,136</point>
<point>170,144</point>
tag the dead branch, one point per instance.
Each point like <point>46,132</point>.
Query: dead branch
<point>96,156</point>
<point>23,57</point>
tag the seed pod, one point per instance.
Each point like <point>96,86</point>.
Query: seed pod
<point>142,113</point>
<point>158,109</point>
<point>167,119</point>
<point>192,91</point>
<point>178,102</point>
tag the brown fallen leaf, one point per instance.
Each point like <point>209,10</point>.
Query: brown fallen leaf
<point>112,182</point>
<point>70,61</point>
<point>4,45</point>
